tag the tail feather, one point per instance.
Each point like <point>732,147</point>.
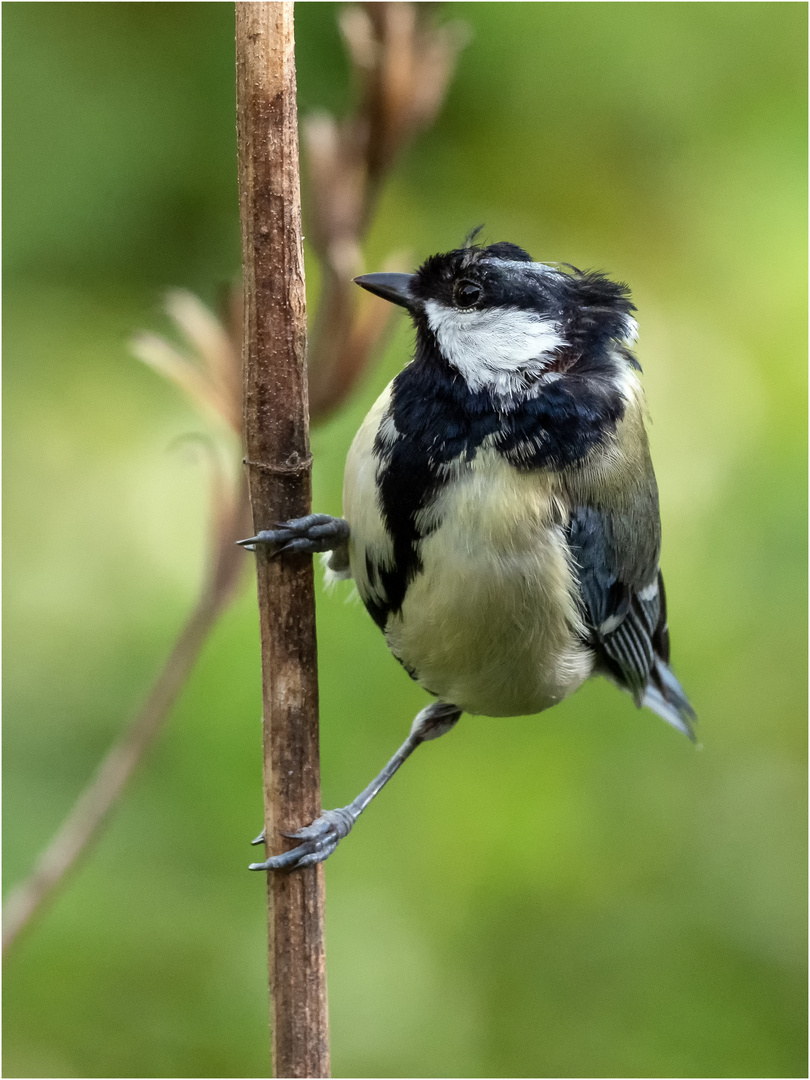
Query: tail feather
<point>665,696</point>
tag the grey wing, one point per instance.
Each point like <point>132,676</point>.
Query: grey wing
<point>622,592</point>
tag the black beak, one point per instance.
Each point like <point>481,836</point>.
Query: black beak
<point>393,287</point>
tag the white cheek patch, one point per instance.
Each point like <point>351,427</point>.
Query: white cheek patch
<point>503,350</point>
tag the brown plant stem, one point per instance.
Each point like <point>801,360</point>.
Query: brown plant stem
<point>279,465</point>
<point>89,813</point>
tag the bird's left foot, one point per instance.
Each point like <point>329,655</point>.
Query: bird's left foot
<point>310,534</point>
<point>318,841</point>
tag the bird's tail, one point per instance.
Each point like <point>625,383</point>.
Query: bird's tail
<point>665,696</point>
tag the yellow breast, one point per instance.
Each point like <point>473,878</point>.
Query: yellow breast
<point>491,623</point>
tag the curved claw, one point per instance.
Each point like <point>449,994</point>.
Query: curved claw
<point>315,857</point>
<point>297,543</point>
<point>287,859</point>
<point>259,839</point>
<point>266,536</point>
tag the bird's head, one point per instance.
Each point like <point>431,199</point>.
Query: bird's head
<point>504,322</point>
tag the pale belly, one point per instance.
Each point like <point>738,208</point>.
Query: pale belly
<point>490,623</point>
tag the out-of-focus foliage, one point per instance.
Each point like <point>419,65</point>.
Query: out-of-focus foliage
<point>581,894</point>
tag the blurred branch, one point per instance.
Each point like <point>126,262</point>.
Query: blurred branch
<point>211,376</point>
<point>401,67</point>
<point>212,379</point>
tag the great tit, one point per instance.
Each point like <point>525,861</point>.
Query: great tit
<point>501,511</point>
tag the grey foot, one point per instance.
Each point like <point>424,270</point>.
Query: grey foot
<point>319,840</point>
<point>310,534</point>
<point>259,839</point>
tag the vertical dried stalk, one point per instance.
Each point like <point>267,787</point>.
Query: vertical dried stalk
<point>279,474</point>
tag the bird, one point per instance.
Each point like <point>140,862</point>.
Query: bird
<point>501,516</point>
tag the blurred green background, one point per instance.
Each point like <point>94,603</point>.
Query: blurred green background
<point>583,894</point>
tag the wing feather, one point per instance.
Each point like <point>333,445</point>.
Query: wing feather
<point>625,614</point>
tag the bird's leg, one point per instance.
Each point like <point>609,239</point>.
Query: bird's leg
<point>310,534</point>
<point>320,839</point>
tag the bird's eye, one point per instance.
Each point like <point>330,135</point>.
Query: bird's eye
<point>466,294</point>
